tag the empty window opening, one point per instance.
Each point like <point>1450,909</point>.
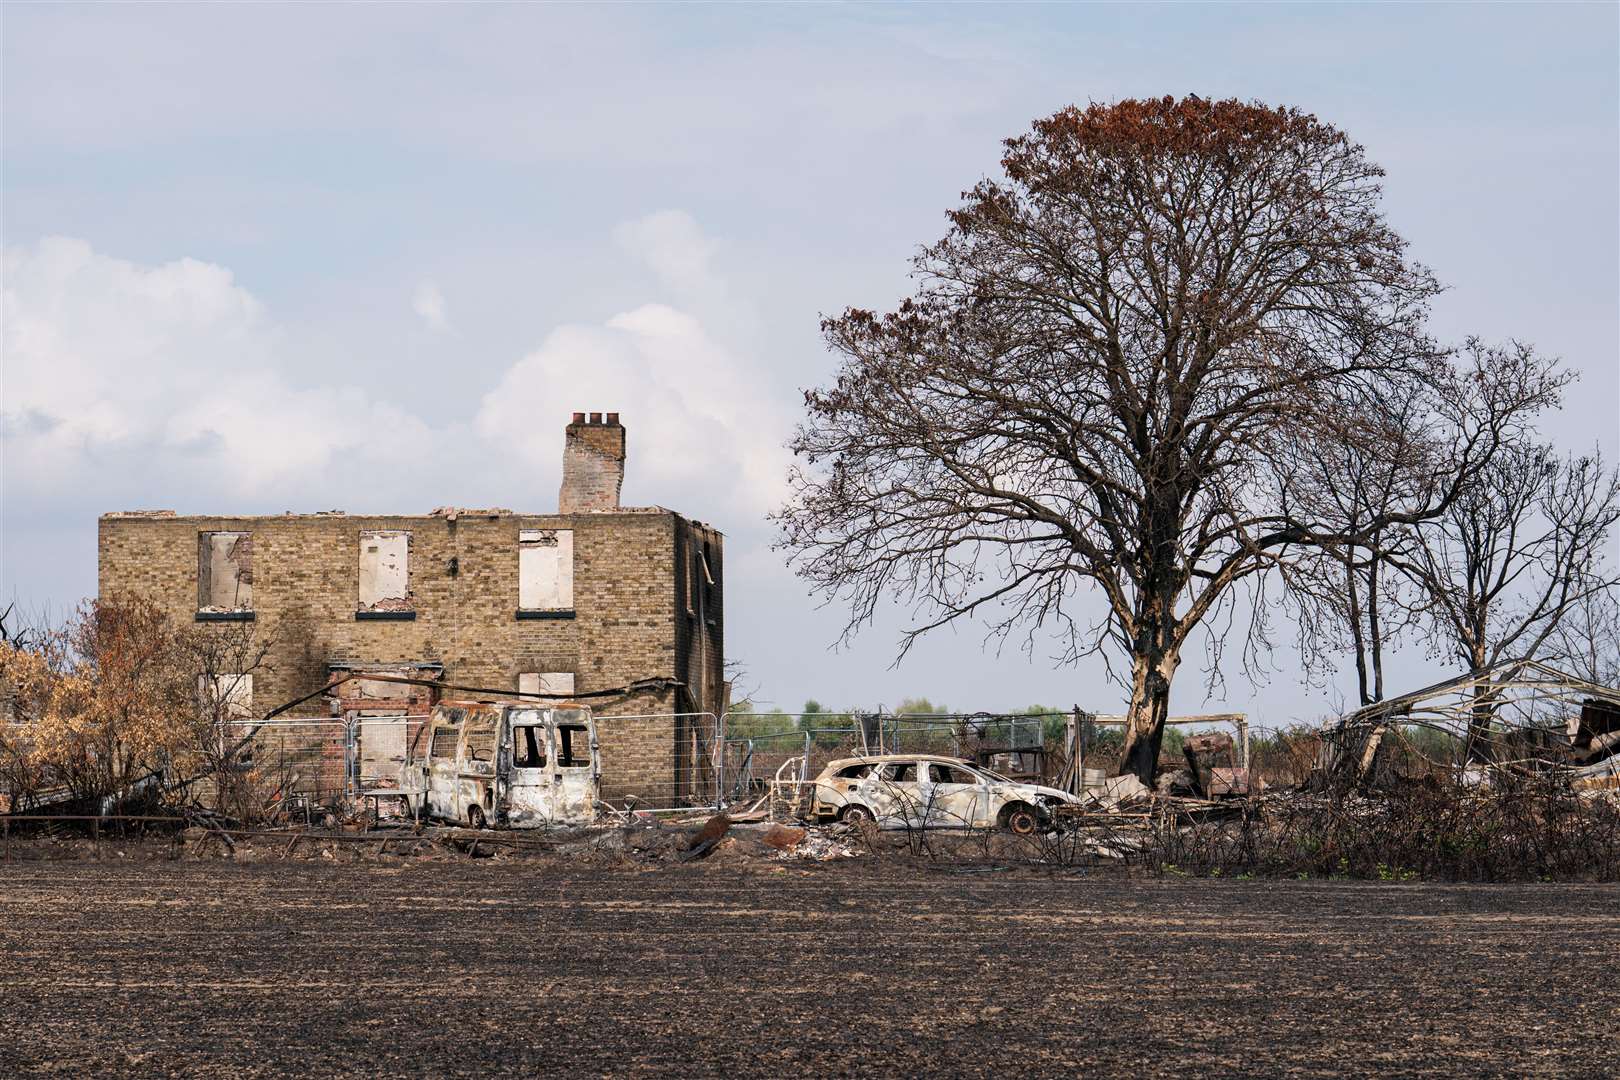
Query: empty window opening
<point>694,575</point>
<point>901,772</point>
<point>224,571</point>
<point>443,746</point>
<point>855,772</point>
<point>946,774</point>
<point>528,748</point>
<point>546,682</point>
<point>481,744</point>
<point>385,580</point>
<point>546,569</point>
<point>227,697</point>
<point>573,746</point>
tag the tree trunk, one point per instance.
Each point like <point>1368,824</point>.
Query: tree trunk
<point>1151,672</point>
<point>1477,746</point>
<point>1480,716</point>
<point>1353,597</point>
<point>1374,628</point>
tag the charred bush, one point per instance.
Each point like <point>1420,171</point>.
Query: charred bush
<point>1518,829</point>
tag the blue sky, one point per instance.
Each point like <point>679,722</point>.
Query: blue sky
<point>370,257</point>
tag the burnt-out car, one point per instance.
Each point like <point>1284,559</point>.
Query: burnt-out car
<point>928,791</point>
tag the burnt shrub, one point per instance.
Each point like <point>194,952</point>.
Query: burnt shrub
<point>1521,828</point>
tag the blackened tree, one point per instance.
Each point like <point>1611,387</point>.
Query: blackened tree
<point>1107,366</point>
<point>1500,571</point>
<point>1371,576</point>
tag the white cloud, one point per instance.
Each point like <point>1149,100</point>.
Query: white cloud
<point>114,370</point>
<point>702,433</point>
<point>429,305</point>
<point>172,383</point>
<point>671,245</point>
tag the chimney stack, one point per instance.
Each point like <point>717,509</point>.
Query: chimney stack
<point>593,464</point>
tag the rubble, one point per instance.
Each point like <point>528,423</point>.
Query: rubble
<point>707,838</point>
<point>819,845</point>
<point>1205,753</point>
<point>784,837</point>
<point>1118,791</point>
<point>1225,781</point>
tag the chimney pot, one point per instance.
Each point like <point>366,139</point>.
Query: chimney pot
<point>613,418</point>
<point>579,418</point>
<point>596,418</point>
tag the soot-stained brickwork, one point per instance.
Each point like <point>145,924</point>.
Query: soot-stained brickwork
<point>619,595</point>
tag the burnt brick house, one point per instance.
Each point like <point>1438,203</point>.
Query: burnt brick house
<point>593,597</point>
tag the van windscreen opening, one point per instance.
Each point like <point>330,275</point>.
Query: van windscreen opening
<point>573,746</point>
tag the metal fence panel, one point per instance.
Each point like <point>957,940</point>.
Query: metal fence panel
<point>304,761</point>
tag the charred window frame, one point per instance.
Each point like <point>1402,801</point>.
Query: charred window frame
<point>224,576</point>
<point>689,569</point>
<point>707,583</point>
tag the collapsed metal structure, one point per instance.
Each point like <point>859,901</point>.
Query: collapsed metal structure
<point>1518,717</point>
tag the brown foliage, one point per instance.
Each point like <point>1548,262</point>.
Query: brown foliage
<point>1104,380</point>
<point>117,700</point>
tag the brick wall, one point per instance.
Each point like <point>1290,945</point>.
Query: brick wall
<point>630,620</point>
<point>593,464</point>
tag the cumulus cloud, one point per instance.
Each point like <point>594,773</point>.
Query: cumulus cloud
<point>117,369</point>
<point>429,306</point>
<point>702,432</point>
<point>671,244</point>
<point>172,383</point>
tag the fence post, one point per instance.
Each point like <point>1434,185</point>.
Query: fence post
<point>350,756</point>
<point>719,759</point>
<point>1080,751</point>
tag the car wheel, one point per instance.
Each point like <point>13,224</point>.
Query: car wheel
<point>1020,819</point>
<point>855,814</point>
<point>475,817</point>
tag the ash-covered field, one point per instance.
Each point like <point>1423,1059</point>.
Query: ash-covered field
<point>474,968</point>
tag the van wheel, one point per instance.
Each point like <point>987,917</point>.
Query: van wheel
<point>475,817</point>
<point>1020,819</point>
<point>855,814</point>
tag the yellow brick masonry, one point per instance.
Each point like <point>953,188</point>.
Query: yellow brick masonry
<point>634,617</point>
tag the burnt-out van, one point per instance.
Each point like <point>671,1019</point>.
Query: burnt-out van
<point>508,764</point>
